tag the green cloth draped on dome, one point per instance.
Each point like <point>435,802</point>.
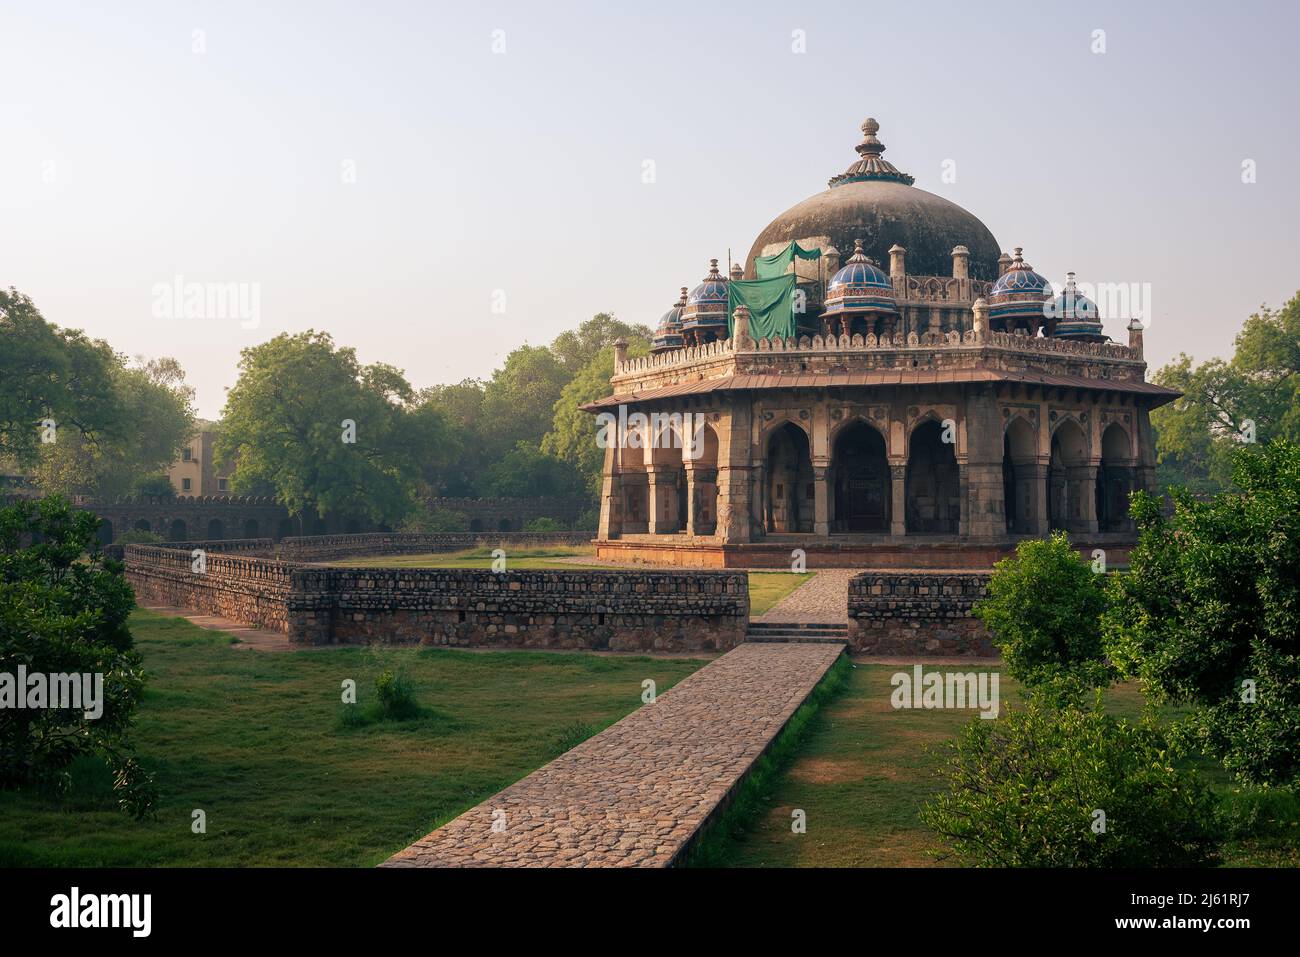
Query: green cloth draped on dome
<point>765,267</point>
<point>770,303</point>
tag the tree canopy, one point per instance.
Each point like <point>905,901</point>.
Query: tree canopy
<point>81,417</point>
<point>1209,613</point>
<point>327,433</point>
<point>1223,401</point>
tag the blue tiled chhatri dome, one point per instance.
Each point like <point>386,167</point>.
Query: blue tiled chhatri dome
<point>669,333</point>
<point>1076,315</point>
<point>860,286</point>
<point>1019,294</point>
<point>706,305</point>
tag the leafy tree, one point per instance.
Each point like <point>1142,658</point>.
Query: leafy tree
<point>157,486</point>
<point>1212,601</point>
<point>52,373</point>
<point>153,418</point>
<point>327,433</point>
<point>1024,791</point>
<point>63,610</point>
<point>526,472</point>
<point>577,347</point>
<point>519,398</point>
<point>1260,383</point>
<point>1043,608</point>
<point>460,406</point>
<point>573,431</point>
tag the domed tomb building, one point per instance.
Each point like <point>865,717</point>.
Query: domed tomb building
<point>936,402</point>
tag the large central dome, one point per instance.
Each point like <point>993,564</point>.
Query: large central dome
<point>874,202</point>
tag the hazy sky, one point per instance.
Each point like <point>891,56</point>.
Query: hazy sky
<point>378,171</point>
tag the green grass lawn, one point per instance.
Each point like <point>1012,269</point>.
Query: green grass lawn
<point>765,588</point>
<point>863,771</point>
<point>257,741</point>
<point>522,559</point>
<point>768,588</point>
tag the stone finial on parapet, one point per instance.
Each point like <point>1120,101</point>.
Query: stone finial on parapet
<point>620,354</point>
<point>897,269</point>
<point>830,261</point>
<point>1004,263</point>
<point>740,329</point>
<point>737,271</point>
<point>1135,328</point>
<point>960,262</point>
<point>981,322</point>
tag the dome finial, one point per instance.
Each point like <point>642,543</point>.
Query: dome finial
<point>869,164</point>
<point>869,142</point>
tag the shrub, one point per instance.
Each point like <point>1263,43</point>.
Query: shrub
<point>1212,600</point>
<point>64,610</point>
<point>1043,609</point>
<point>543,525</point>
<point>396,697</point>
<point>138,536</point>
<point>439,521</point>
<point>1024,790</point>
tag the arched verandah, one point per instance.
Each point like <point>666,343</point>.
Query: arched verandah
<point>933,492</point>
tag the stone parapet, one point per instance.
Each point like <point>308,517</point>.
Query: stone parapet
<point>918,613</point>
<point>617,610</point>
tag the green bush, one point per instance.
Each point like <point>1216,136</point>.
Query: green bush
<point>1024,790</point>
<point>138,536</point>
<point>396,697</point>
<point>1211,601</point>
<point>435,522</point>
<point>1043,609</point>
<point>543,525</point>
<point>64,610</point>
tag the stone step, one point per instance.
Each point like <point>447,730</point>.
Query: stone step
<point>790,632</point>
<point>789,626</point>
<point>791,639</point>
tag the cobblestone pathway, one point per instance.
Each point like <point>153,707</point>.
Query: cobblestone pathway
<point>635,794</point>
<point>823,598</point>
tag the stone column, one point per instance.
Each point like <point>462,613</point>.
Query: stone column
<point>1041,525</point>
<point>983,507</point>
<point>1081,498</point>
<point>898,499</point>
<point>733,503</point>
<point>663,489</point>
<point>821,501</point>
<point>692,499</point>
<point>611,496</point>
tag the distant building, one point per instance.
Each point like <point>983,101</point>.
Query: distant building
<point>196,471</point>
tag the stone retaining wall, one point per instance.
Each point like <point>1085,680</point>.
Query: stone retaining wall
<point>248,589</point>
<point>616,610</point>
<point>918,613</point>
<point>607,610</point>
